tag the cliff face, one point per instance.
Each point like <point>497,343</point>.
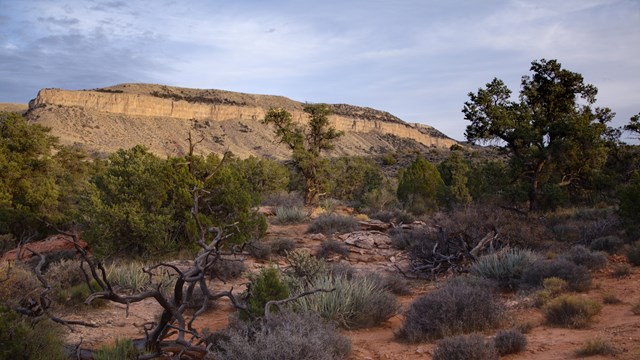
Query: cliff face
<point>160,114</point>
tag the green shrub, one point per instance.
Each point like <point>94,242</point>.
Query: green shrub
<point>633,253</point>
<point>571,311</point>
<point>552,287</point>
<point>505,266</point>
<point>22,339</point>
<point>509,342</point>
<point>264,287</point>
<point>330,246</point>
<point>304,266</point>
<point>629,205</point>
<point>130,276</point>
<point>596,347</point>
<point>458,307</point>
<point>284,199</point>
<point>282,246</point>
<point>580,255</point>
<point>123,349</point>
<point>290,215</point>
<point>610,244</point>
<point>283,336</point>
<point>465,347</point>
<point>328,224</point>
<point>576,276</point>
<point>420,187</point>
<point>258,249</point>
<point>358,302</point>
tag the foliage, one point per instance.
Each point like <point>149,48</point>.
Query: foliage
<point>633,253</point>
<point>464,347</point>
<point>609,298</point>
<point>123,349</point>
<point>580,255</point>
<point>571,311</point>
<point>282,246</point>
<point>510,341</point>
<point>21,339</point>
<point>329,224</point>
<point>132,276</point>
<point>304,266</point>
<point>457,307</point>
<point>505,266</point>
<point>488,180</point>
<point>595,347</point>
<point>283,199</point>
<point>406,239</point>
<point>621,270</point>
<point>629,204</point>
<point>356,302</point>
<point>264,287</point>
<point>576,276</point>
<point>258,249</point>
<point>283,336</point>
<point>635,309</point>
<point>330,246</point>
<point>261,177</point>
<point>455,172</point>
<point>290,215</point>
<point>610,244</point>
<point>227,269</point>
<point>19,284</point>
<point>420,187</point>
<point>394,282</point>
<point>554,136</point>
<point>353,177</point>
<point>306,143</point>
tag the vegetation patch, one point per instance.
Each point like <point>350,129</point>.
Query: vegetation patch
<point>596,347</point>
<point>571,311</point>
<point>576,276</point>
<point>465,347</point>
<point>329,224</point>
<point>505,267</point>
<point>580,255</point>
<point>510,341</point>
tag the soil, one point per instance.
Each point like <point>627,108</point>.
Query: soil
<point>616,323</point>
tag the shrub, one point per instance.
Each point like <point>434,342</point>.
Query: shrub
<point>64,274</point>
<point>329,224</point>
<point>580,255</point>
<point>382,215</point>
<point>621,270</point>
<point>132,277</point>
<point>19,285</point>
<point>633,253</point>
<point>571,311</point>
<point>290,215</point>
<point>264,287</point>
<point>284,199</point>
<point>343,269</point>
<point>609,298</point>
<point>123,349</point>
<point>635,309</point>
<point>420,187</point>
<point>22,339</point>
<point>509,342</point>
<point>596,347</point>
<point>610,244</point>
<point>330,246</point>
<point>227,269</point>
<point>283,245</point>
<point>358,302</point>
<point>505,267</point>
<point>405,239</point>
<point>259,250</point>
<point>458,307</point>
<point>304,266</point>
<point>393,282</point>
<point>284,336</point>
<point>576,276</point>
<point>465,347</point>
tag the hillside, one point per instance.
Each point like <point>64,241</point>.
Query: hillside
<point>160,117</point>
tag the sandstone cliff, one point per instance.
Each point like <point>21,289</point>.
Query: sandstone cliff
<point>160,117</point>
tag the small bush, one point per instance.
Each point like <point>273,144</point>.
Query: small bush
<point>580,255</point>
<point>505,267</point>
<point>576,276</point>
<point>465,347</point>
<point>552,287</point>
<point>509,342</point>
<point>457,307</point>
<point>329,247</point>
<point>64,274</point>
<point>571,311</point>
<point>609,298</point>
<point>635,309</point>
<point>290,215</point>
<point>259,250</point>
<point>633,254</point>
<point>382,215</point>
<point>393,282</point>
<point>282,245</point>
<point>264,287</point>
<point>358,302</point>
<point>343,269</point>
<point>19,285</point>
<point>610,244</point>
<point>284,199</point>
<point>304,266</point>
<point>329,224</point>
<point>227,269</point>
<point>621,270</point>
<point>132,277</point>
<point>22,339</point>
<point>596,347</point>
<point>284,336</point>
<point>123,349</point>
<point>405,239</point>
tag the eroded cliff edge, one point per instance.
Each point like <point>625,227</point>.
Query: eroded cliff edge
<point>160,117</point>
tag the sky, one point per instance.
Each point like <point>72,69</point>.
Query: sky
<point>417,59</point>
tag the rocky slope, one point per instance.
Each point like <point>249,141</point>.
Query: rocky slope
<point>160,117</point>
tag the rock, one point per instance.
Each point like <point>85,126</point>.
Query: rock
<point>366,239</point>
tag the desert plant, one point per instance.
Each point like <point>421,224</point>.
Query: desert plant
<point>330,246</point>
<point>621,270</point>
<point>19,285</point>
<point>552,287</point>
<point>282,246</point>
<point>580,255</point>
<point>633,253</point>
<point>131,276</point>
<point>290,215</point>
<point>65,273</point>
<point>264,287</point>
<point>258,249</point>
<point>304,266</point>
<point>596,347</point>
<point>406,239</point>
<point>122,349</point>
<point>420,187</point>
<point>510,341</point>
<point>505,267</point>
<point>328,224</point>
<point>465,347</point>
<point>609,298</point>
<point>571,311</point>
<point>284,199</point>
<point>356,302</point>
<point>576,276</point>
<point>610,244</point>
<point>457,307</point>
<point>635,309</point>
<point>393,282</point>
<point>227,269</point>
<point>283,336</point>
<point>23,339</point>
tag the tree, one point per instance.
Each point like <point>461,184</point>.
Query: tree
<point>307,142</point>
<point>455,174</point>
<point>420,187</point>
<point>554,136</point>
<point>634,124</point>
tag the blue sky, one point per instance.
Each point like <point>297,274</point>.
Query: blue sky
<point>415,59</point>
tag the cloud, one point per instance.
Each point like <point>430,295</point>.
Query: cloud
<point>59,21</point>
